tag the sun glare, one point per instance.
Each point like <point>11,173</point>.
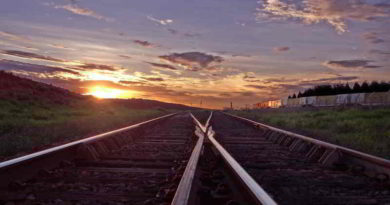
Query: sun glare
<point>103,92</point>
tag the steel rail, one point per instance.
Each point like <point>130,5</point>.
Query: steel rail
<point>344,150</point>
<point>261,196</point>
<point>67,145</point>
<point>184,188</point>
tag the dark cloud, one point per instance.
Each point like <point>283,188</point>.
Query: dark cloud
<point>146,44</point>
<point>192,35</point>
<point>286,86</point>
<point>125,56</point>
<point>214,69</point>
<point>16,65</point>
<point>260,87</point>
<point>314,82</point>
<point>193,61</point>
<point>380,52</point>
<point>187,34</point>
<point>225,94</point>
<point>350,64</point>
<point>29,55</point>
<point>249,78</point>
<point>157,79</point>
<point>372,37</point>
<point>93,66</point>
<point>163,66</point>
<point>281,49</point>
<point>172,31</point>
<point>344,78</point>
<point>277,80</point>
<point>127,82</point>
<point>247,94</point>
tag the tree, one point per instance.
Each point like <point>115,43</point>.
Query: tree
<point>365,88</point>
<point>384,87</point>
<point>356,88</point>
<point>294,96</point>
<point>374,86</point>
<point>347,89</point>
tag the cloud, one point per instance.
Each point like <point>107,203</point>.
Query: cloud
<point>380,52</point>
<point>214,69</point>
<point>331,80</point>
<point>260,87</point>
<point>163,66</point>
<point>156,79</point>
<point>73,8</point>
<point>60,46</point>
<point>247,94</point>
<point>131,82</point>
<point>12,36</point>
<point>249,77</point>
<point>334,12</point>
<point>192,35</point>
<point>281,49</point>
<point>193,61</point>
<point>286,86</point>
<point>350,64</point>
<point>93,66</point>
<point>225,94</point>
<point>340,78</point>
<point>172,31</point>
<point>277,80</point>
<point>125,56</point>
<point>20,66</point>
<point>372,37</point>
<point>163,22</point>
<point>29,55</point>
<point>146,44</point>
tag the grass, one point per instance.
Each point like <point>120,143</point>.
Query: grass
<point>363,129</point>
<point>27,127</point>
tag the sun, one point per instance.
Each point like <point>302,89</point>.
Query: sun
<point>103,92</point>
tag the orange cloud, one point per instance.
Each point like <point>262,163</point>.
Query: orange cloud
<point>334,12</point>
<point>73,8</point>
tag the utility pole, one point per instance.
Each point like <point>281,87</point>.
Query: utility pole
<point>231,105</point>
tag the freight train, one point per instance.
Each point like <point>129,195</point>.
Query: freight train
<point>376,98</point>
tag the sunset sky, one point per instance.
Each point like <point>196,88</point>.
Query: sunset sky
<point>214,51</point>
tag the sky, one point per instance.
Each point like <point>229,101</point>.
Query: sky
<point>196,51</point>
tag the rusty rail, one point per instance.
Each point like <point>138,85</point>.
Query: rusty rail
<point>184,189</point>
<point>372,163</point>
<point>256,191</point>
<point>45,152</point>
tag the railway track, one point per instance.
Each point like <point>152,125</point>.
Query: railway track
<point>177,160</point>
<point>138,166</point>
<point>161,161</point>
<point>294,169</point>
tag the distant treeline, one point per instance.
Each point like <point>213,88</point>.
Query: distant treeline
<point>321,90</point>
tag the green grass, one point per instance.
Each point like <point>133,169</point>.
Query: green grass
<point>28,127</point>
<point>367,130</point>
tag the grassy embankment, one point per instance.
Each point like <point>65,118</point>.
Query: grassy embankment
<point>26,127</point>
<point>363,129</point>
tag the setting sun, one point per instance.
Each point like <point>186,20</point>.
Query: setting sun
<point>103,92</point>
